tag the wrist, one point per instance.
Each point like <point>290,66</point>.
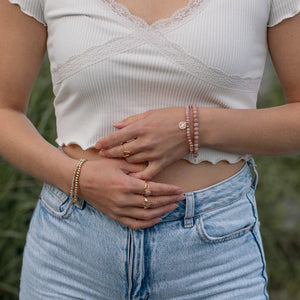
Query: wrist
<point>66,169</point>
<point>75,180</point>
<point>206,121</point>
<point>184,124</point>
<point>195,113</point>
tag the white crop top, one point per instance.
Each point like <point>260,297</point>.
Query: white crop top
<point>107,64</point>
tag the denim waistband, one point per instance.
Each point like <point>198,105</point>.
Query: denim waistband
<point>214,196</point>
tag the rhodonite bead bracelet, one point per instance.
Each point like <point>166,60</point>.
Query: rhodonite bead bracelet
<point>186,125</point>
<point>188,128</point>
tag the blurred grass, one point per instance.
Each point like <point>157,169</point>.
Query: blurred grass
<point>278,199</point>
<point>19,192</point>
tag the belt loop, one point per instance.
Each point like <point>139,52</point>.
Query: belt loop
<point>189,210</point>
<point>79,203</point>
<point>251,163</point>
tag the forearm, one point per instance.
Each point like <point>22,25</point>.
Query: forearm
<point>270,131</point>
<point>23,146</point>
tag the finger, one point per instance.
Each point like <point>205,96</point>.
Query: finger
<point>138,224</point>
<point>116,138</point>
<point>138,157</point>
<point>148,214</point>
<point>132,168</point>
<point>128,121</point>
<point>157,189</point>
<point>156,201</point>
<point>154,167</point>
<point>118,151</point>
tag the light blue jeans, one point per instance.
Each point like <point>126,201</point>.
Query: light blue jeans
<point>210,247</point>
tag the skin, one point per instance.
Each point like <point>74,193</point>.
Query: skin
<point>152,11</point>
<point>113,185</point>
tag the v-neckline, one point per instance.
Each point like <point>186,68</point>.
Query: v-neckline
<point>177,16</point>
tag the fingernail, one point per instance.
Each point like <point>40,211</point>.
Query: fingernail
<point>102,153</point>
<point>174,206</point>
<point>181,197</point>
<point>180,191</point>
<point>98,145</point>
<point>158,220</point>
<point>118,123</point>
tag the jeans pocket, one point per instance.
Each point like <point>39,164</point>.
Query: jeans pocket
<point>226,222</point>
<point>55,201</point>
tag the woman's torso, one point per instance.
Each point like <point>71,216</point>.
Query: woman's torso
<point>182,173</point>
<point>108,63</point>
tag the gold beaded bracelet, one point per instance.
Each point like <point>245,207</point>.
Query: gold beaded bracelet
<point>75,180</point>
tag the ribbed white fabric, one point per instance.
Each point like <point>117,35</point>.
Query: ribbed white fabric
<point>33,8</point>
<point>107,64</point>
<point>283,9</point>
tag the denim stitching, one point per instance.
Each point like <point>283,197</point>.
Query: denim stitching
<point>150,266</point>
<point>147,262</point>
<point>129,263</point>
<point>251,163</point>
<point>206,238</point>
<point>224,204</point>
<point>263,264</point>
<point>61,195</point>
<point>259,248</point>
<point>63,214</point>
<point>189,211</point>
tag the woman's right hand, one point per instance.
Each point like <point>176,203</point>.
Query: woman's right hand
<point>106,184</point>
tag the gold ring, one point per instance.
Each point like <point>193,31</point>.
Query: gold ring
<point>126,153</point>
<point>147,203</point>
<point>147,191</point>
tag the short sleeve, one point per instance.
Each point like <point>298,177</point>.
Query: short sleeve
<point>32,8</point>
<point>282,9</point>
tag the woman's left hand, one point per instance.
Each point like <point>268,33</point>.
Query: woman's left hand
<point>153,137</point>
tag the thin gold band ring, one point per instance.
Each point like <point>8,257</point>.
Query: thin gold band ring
<point>126,153</point>
<point>147,203</point>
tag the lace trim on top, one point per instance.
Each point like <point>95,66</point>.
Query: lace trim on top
<point>93,56</point>
<point>176,17</point>
<point>171,51</point>
<point>147,34</point>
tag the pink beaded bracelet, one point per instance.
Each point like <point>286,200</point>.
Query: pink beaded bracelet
<point>196,131</point>
<point>186,125</point>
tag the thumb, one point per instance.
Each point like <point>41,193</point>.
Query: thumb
<point>128,121</point>
<point>153,168</point>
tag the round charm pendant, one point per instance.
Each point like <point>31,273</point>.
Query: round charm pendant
<point>182,125</point>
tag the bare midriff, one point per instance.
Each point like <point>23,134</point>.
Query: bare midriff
<point>189,176</point>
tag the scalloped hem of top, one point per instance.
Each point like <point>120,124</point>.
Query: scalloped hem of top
<point>287,16</point>
<point>189,157</point>
<point>26,12</point>
<point>61,144</point>
<point>217,160</point>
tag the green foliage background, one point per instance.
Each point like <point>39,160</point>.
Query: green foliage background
<point>278,199</point>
